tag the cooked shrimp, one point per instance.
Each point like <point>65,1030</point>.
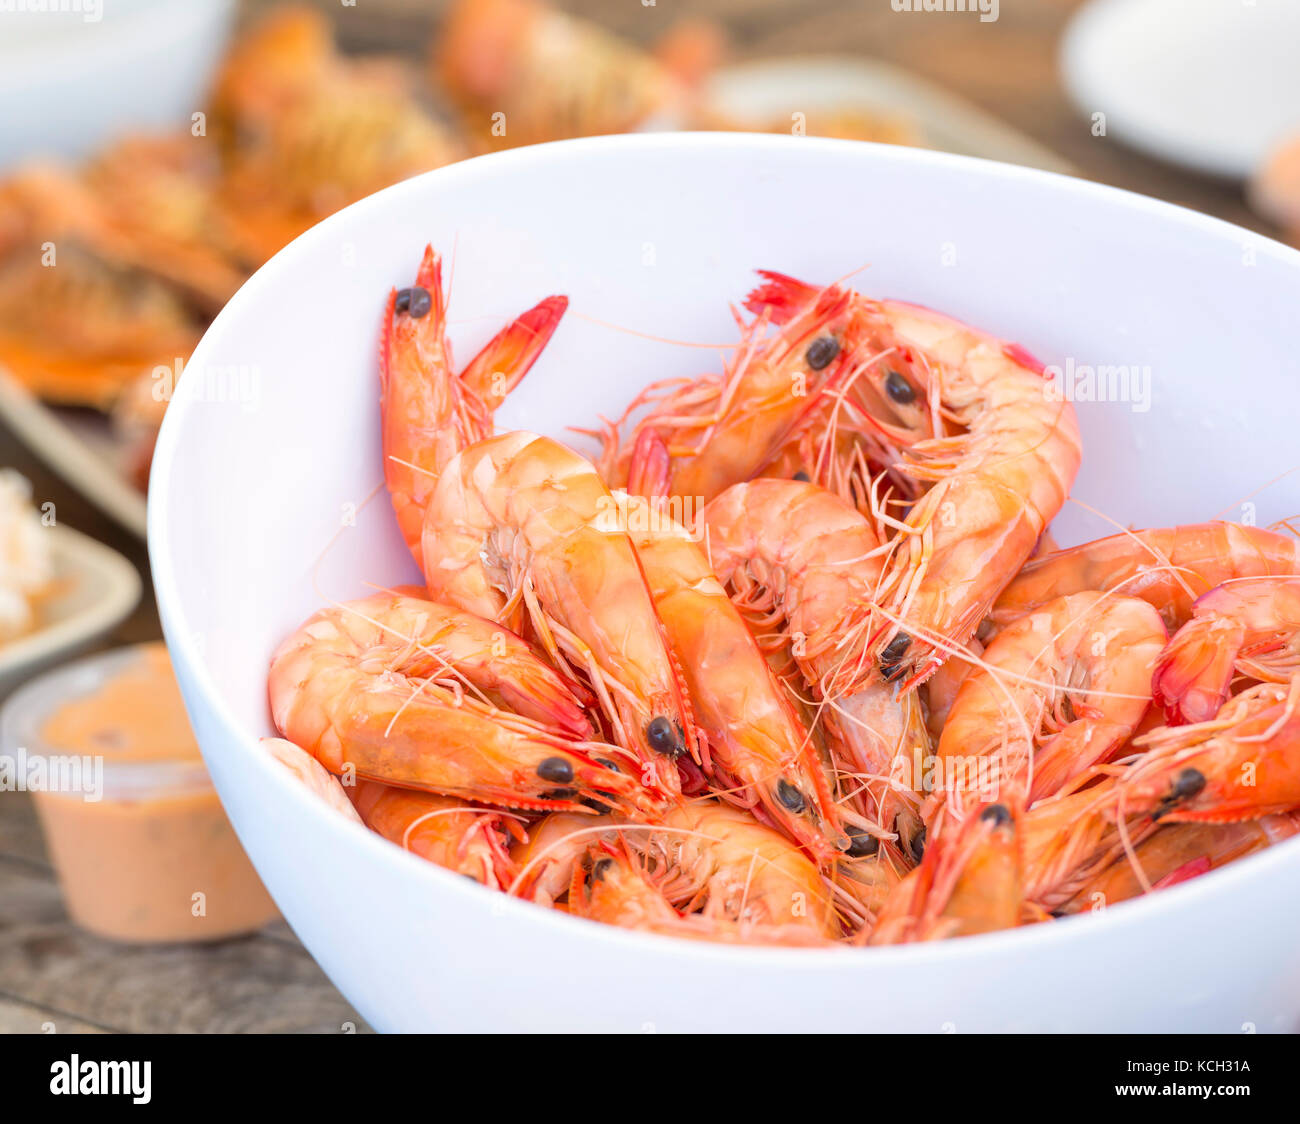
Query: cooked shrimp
<point>1058,691</point>
<point>430,414</point>
<point>464,839</point>
<point>941,688</point>
<point>995,487</point>
<point>312,774</point>
<point>968,882</point>
<point>1241,764</point>
<point>413,693</point>
<point>719,861</point>
<point>797,557</point>
<point>754,745</point>
<point>545,858</point>
<point>1168,567</point>
<point>521,529</point>
<point>523,73</point>
<point>1177,853</point>
<point>696,445</point>
<point>611,884</point>
<point>1249,627</point>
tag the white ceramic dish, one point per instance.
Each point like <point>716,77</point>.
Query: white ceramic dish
<point>79,446</point>
<point>79,73</point>
<point>771,90</point>
<point>1210,84</point>
<point>251,523</point>
<point>97,588</point>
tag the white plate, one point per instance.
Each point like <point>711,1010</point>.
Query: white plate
<point>256,516</point>
<point>97,588</point>
<point>79,446</point>
<point>1210,84</point>
<point>769,91</point>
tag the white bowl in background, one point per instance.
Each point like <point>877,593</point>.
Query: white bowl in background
<point>77,76</point>
<point>253,495</point>
<point>1209,84</point>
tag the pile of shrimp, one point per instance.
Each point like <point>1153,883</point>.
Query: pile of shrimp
<point>791,659</point>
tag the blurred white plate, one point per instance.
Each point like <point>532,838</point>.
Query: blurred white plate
<point>1209,84</point>
<point>764,93</point>
<point>80,447</point>
<point>96,588</point>
<point>74,76</point>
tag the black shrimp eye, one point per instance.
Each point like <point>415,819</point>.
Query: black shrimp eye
<point>560,794</point>
<point>821,351</point>
<point>899,389</point>
<point>803,477</point>
<point>789,796</point>
<point>557,769</point>
<point>891,656</point>
<point>1187,784</point>
<point>611,765</point>
<point>996,814</point>
<point>917,846</point>
<point>663,737</point>
<point>861,843</point>
<point>416,301</point>
<point>896,649</point>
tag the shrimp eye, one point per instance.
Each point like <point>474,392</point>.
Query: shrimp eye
<point>892,655</point>
<point>1187,784</point>
<point>789,796</point>
<point>899,389</point>
<point>917,846</point>
<point>599,867</point>
<point>803,477</point>
<point>560,794</point>
<point>556,769</point>
<point>611,765</point>
<point>996,814</point>
<point>663,738</point>
<point>861,843</point>
<point>821,351</point>
<point>415,301</point>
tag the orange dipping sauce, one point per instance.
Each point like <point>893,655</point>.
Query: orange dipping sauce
<point>142,846</point>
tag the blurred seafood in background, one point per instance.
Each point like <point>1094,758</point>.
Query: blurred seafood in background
<point>303,131</point>
<point>110,272</point>
<point>522,73</point>
<point>1275,188</point>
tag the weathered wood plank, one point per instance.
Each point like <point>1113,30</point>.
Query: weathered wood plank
<point>17,1017</point>
<point>257,983</point>
<point>20,830</point>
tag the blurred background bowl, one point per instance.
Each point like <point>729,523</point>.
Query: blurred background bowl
<point>247,534</point>
<point>74,78</point>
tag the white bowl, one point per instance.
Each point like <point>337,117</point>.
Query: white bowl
<point>251,524</point>
<point>82,72</point>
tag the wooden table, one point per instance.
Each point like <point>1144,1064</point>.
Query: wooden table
<point>54,975</point>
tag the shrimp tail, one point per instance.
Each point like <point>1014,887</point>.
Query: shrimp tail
<point>509,355</point>
<point>1193,677</point>
<point>781,296</point>
<point>650,471</point>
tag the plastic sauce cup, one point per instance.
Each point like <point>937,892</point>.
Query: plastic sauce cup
<point>141,844</point>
